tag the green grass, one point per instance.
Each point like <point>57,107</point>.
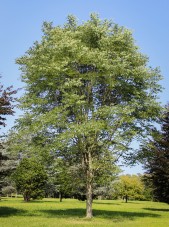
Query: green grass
<point>50,213</point>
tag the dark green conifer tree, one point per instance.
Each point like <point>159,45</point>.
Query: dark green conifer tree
<point>158,163</point>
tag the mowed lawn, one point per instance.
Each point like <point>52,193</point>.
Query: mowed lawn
<point>50,212</point>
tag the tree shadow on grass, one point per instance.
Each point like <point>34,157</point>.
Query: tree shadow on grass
<point>116,216</point>
<point>68,213</point>
<point>41,201</point>
<point>9,211</point>
<point>80,213</point>
<point>106,203</point>
<point>156,209</point>
<point>123,215</point>
<point>130,202</point>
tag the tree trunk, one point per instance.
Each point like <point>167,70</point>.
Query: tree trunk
<point>26,197</point>
<point>126,198</point>
<point>89,189</point>
<point>60,196</point>
<point>89,212</point>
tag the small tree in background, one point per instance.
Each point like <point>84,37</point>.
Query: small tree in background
<point>131,187</point>
<point>8,190</point>
<point>7,166</point>
<point>30,179</point>
<point>62,178</point>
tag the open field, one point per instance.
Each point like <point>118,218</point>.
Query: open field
<point>50,213</point>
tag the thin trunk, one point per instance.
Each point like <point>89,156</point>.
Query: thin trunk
<point>60,196</point>
<point>89,189</point>
<point>126,198</point>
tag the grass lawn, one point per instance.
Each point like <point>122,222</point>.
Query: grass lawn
<point>50,212</point>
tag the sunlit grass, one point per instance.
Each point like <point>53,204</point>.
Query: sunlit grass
<point>50,212</point>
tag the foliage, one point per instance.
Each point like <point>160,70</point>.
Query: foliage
<point>157,164</point>
<point>6,100</point>
<point>6,108</point>
<point>128,187</point>
<point>8,190</point>
<point>61,178</point>
<point>30,179</point>
<point>90,88</point>
<point>8,164</point>
<point>148,187</point>
<point>24,145</point>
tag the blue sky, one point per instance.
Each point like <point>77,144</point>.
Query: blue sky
<point>21,22</point>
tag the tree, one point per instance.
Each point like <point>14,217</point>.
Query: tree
<point>132,187</point>
<point>6,108</point>
<point>157,164</point>
<point>30,179</point>
<point>8,190</point>
<point>62,178</point>
<point>90,86</point>
<point>148,187</point>
<point>135,187</point>
<point>8,164</point>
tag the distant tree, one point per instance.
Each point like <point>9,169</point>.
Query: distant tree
<point>131,187</point>
<point>6,108</point>
<point>8,190</point>
<point>7,165</point>
<point>157,164</point>
<point>30,179</point>
<point>90,86</point>
<point>62,178</point>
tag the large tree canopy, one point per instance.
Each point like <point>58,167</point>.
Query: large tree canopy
<point>90,87</point>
